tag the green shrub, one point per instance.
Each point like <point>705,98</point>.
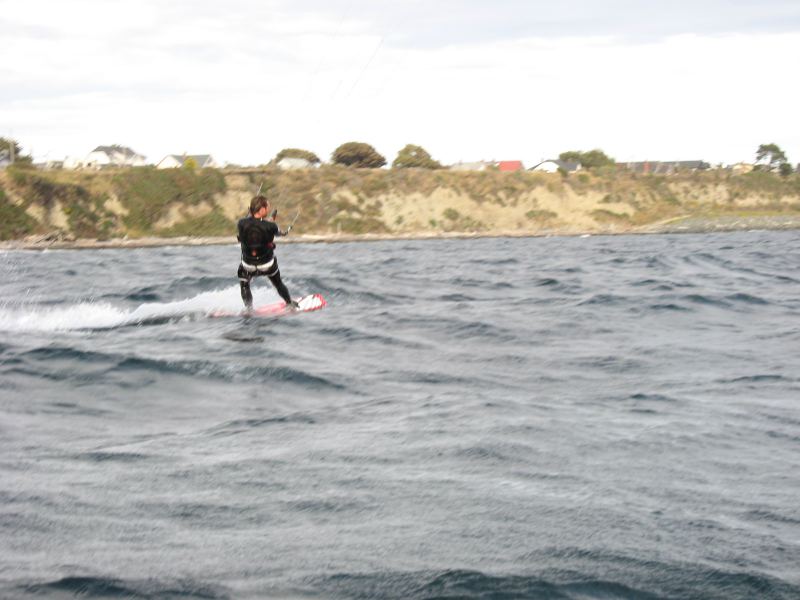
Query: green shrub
<point>148,192</point>
<point>605,216</point>
<point>541,215</point>
<point>214,223</point>
<point>14,221</point>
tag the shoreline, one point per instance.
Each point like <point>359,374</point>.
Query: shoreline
<point>728,223</point>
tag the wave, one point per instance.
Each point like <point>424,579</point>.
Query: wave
<point>348,334</point>
<point>124,457</point>
<point>668,306</point>
<point>643,397</point>
<point>758,378</point>
<point>352,293</point>
<point>603,299</point>
<point>238,426</point>
<point>559,585</point>
<point>746,299</point>
<point>107,587</point>
<point>99,366</point>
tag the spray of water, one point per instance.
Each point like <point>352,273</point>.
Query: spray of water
<point>103,315</point>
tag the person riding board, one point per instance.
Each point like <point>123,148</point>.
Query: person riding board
<point>256,234</point>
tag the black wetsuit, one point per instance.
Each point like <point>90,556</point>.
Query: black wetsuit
<point>257,238</point>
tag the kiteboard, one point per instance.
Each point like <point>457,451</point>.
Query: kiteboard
<point>308,303</point>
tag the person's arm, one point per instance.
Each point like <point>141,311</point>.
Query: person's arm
<point>278,232</point>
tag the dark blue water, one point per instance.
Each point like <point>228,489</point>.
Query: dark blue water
<point>605,417</point>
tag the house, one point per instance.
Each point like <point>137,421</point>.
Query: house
<point>112,156</point>
<point>289,163</point>
<point>664,167</point>
<point>174,161</point>
<point>509,166</point>
<point>5,158</point>
<point>741,168</point>
<point>73,162</point>
<point>556,164</point>
<point>481,165</point>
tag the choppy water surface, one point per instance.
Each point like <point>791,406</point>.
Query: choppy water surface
<point>605,417</point>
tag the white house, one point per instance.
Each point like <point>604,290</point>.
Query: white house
<point>73,162</point>
<point>113,156</point>
<point>481,165</point>
<point>174,161</point>
<point>552,166</point>
<point>288,163</point>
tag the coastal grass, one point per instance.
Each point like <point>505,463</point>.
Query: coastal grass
<point>84,211</point>
<point>145,201</point>
<point>214,223</point>
<point>147,193</point>
<point>14,221</point>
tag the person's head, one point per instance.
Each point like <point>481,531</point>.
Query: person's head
<point>259,207</point>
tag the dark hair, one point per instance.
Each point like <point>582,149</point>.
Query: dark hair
<point>257,203</point>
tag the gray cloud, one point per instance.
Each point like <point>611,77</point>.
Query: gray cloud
<point>445,22</point>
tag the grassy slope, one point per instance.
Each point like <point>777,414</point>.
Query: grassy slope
<point>148,202</point>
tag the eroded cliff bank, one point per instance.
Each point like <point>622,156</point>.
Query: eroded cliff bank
<point>144,204</point>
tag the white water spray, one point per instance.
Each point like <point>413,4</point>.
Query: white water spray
<point>103,315</point>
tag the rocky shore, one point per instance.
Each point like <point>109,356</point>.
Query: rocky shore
<point>725,223</point>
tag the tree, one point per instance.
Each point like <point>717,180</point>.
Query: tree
<point>297,153</point>
<point>359,155</point>
<point>785,169</point>
<point>593,159</point>
<point>770,157</point>
<point>11,151</point>
<point>414,157</point>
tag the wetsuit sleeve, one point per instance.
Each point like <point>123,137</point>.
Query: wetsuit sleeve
<point>276,231</point>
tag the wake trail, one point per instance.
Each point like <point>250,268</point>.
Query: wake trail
<point>103,315</point>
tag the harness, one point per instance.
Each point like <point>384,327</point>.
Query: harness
<point>254,268</point>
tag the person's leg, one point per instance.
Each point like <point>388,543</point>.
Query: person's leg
<point>274,275</point>
<point>244,284</point>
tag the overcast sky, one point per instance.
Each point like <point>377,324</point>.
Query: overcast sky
<point>467,80</point>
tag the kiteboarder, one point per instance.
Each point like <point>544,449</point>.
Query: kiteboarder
<point>257,233</point>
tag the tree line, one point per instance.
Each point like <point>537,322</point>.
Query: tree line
<point>364,156</point>
<point>769,157</point>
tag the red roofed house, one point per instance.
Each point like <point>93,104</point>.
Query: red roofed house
<point>510,165</point>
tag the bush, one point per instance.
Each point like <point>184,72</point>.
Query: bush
<point>213,223</point>
<point>14,221</point>
<point>359,155</point>
<point>593,159</point>
<point>541,215</point>
<point>412,156</point>
<point>297,153</point>
<point>148,192</point>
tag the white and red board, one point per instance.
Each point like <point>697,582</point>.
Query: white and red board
<point>308,303</point>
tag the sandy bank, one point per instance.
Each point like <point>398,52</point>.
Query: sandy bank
<point>683,225</point>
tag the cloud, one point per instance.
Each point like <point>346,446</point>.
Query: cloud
<point>242,80</point>
<point>416,23</point>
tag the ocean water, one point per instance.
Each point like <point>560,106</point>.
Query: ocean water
<point>567,418</point>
